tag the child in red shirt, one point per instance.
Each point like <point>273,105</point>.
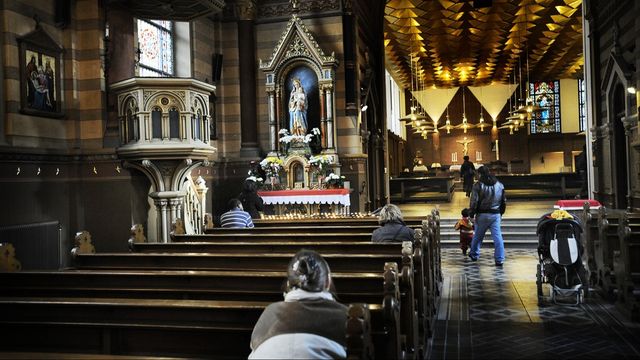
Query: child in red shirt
<point>466,231</point>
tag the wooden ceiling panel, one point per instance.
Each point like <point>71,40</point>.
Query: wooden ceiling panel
<point>456,44</point>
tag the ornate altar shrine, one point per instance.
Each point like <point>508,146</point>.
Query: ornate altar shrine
<point>308,201</point>
<point>300,81</point>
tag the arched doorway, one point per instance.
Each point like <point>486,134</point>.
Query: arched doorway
<point>619,152</point>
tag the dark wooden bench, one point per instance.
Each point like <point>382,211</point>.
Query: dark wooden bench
<point>114,325</point>
<point>269,262</point>
<point>311,224</point>
<point>403,189</point>
<point>143,327</point>
<point>551,185</point>
<point>182,284</point>
<point>248,236</point>
<point>607,251</point>
<point>590,236</point>
<point>292,229</point>
<point>190,328</point>
<point>628,268</point>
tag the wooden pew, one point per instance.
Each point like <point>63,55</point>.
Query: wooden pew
<point>399,348</point>
<point>162,325</point>
<point>412,267</point>
<point>312,223</point>
<point>248,236</point>
<point>590,238</point>
<point>190,328</point>
<point>554,185</point>
<point>238,261</point>
<point>628,268</point>
<point>405,189</point>
<point>270,262</point>
<point>607,251</point>
<point>182,284</point>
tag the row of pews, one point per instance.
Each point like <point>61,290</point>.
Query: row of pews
<point>200,295</point>
<point>612,239</point>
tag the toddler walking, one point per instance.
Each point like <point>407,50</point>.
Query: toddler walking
<point>466,231</point>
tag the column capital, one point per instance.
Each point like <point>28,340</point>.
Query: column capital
<point>246,9</point>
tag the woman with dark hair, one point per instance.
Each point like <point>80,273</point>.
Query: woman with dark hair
<point>309,323</point>
<point>488,203</point>
<point>251,201</point>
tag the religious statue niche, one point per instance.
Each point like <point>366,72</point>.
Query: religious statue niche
<point>546,94</point>
<point>40,58</point>
<point>303,107</point>
<point>300,94</point>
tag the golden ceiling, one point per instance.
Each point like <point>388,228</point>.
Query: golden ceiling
<point>454,44</point>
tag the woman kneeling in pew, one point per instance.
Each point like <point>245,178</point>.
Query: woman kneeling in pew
<point>309,323</point>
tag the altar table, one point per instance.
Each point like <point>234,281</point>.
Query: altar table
<point>310,199</point>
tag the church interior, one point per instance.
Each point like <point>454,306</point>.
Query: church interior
<point>127,127</point>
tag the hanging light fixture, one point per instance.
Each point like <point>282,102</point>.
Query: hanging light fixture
<point>447,124</point>
<point>465,125</point>
<point>481,120</point>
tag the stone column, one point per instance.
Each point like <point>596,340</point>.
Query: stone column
<point>163,224</point>
<point>246,10</point>
<point>201,188</point>
<point>273,136</point>
<point>329,110</point>
<point>323,119</point>
<point>174,205</point>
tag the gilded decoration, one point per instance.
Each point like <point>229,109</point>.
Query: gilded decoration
<point>453,43</point>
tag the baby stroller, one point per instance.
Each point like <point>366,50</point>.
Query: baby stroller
<point>560,260</point>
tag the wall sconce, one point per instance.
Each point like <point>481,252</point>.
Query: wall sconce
<point>631,90</point>
<point>364,108</point>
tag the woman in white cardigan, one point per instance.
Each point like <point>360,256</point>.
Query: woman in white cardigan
<point>309,323</point>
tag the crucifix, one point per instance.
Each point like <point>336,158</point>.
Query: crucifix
<point>465,145</point>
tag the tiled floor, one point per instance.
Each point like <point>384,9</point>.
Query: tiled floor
<point>487,312</point>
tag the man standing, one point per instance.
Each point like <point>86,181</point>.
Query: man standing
<point>488,202</point>
<point>236,217</point>
<point>467,172</point>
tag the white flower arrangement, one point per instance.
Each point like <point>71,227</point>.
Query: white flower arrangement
<point>333,179</point>
<point>255,179</point>
<point>287,138</point>
<point>271,165</point>
<point>320,163</point>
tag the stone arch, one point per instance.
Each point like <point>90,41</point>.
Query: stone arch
<point>290,164</point>
<point>172,100</point>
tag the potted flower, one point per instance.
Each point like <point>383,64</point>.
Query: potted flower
<point>272,167</point>
<point>333,181</point>
<point>287,140</point>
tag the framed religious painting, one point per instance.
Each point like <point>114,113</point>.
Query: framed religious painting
<point>39,71</point>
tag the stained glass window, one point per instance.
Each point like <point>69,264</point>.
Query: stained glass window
<point>155,41</point>
<point>545,94</point>
<point>582,110</point>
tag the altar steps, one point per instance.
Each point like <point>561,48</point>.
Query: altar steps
<point>515,231</point>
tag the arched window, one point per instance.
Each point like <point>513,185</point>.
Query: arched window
<point>174,123</point>
<point>156,123</point>
<point>197,125</point>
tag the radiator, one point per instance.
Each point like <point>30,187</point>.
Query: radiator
<point>38,246</point>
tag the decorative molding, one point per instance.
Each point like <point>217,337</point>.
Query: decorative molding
<point>297,41</point>
<point>283,9</point>
<point>246,9</point>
